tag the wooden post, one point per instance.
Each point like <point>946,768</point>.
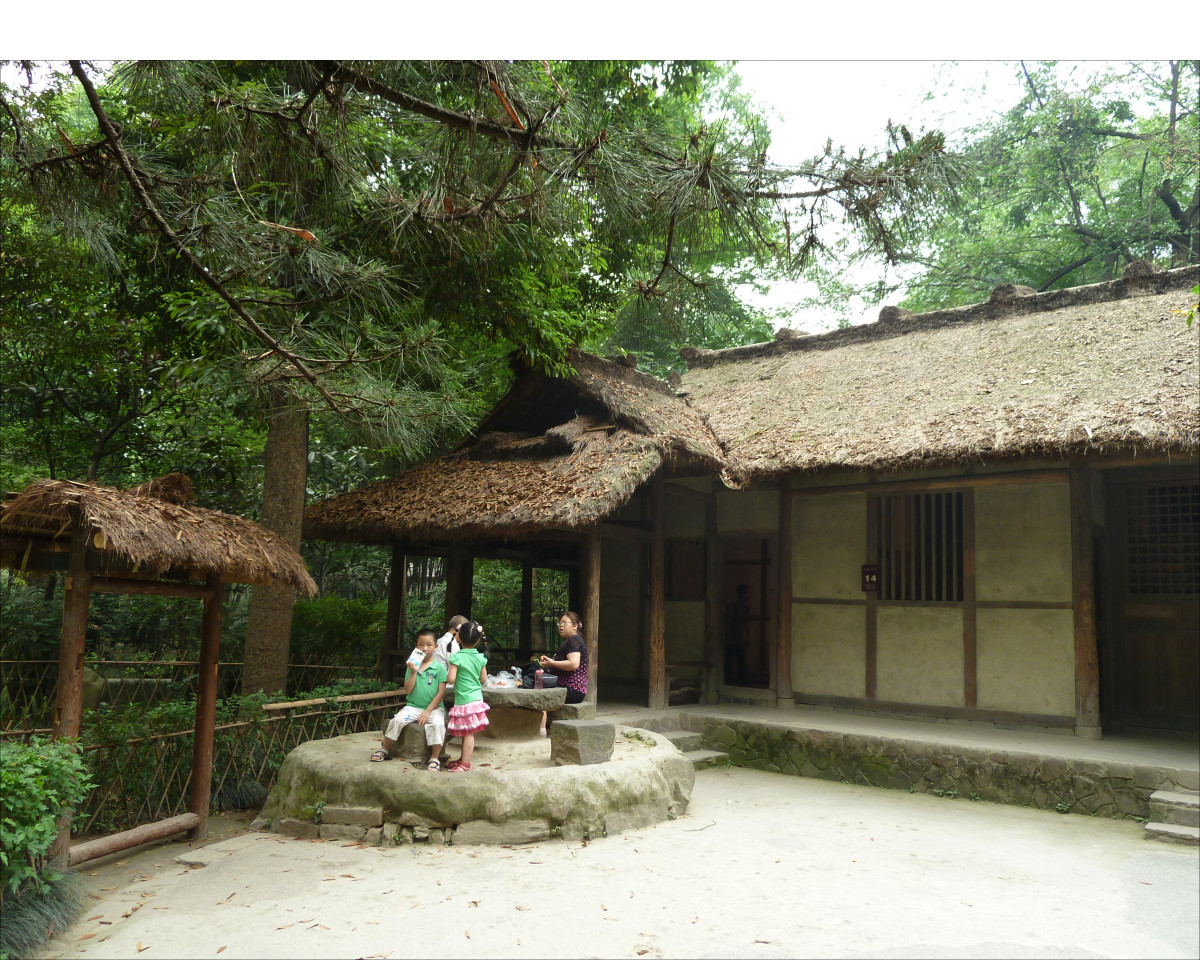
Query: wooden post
<point>467,586</point>
<point>397,599</point>
<point>872,608</point>
<point>454,581</point>
<point>68,705</point>
<point>970,648</point>
<point>590,548</point>
<point>712,602</point>
<point>206,709</point>
<point>1083,601</point>
<point>783,642</point>
<point>526,637</point>
<point>659,698</point>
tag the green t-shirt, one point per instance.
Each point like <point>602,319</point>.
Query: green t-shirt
<point>426,687</point>
<point>467,688</point>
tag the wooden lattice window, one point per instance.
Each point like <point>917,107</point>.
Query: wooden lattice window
<point>685,570</point>
<point>1164,539</point>
<point>921,547</point>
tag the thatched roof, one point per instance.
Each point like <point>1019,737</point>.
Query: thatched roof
<point>1086,371</point>
<point>154,535</point>
<point>555,453</point>
<point>505,485</point>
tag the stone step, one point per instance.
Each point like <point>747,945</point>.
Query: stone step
<point>1175,806</point>
<point>1173,833</point>
<point>706,758</point>
<point>685,740</point>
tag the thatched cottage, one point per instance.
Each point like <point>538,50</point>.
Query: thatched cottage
<point>990,512</point>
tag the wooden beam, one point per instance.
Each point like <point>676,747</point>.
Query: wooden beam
<point>783,626</point>
<point>590,562</point>
<point>679,490</point>
<point>1083,596</point>
<point>616,531</point>
<point>68,705</point>
<point>116,842</point>
<point>658,549</point>
<point>153,588</point>
<point>394,625</point>
<point>206,709</point>
<point>970,647</point>
<point>525,638</point>
<point>938,483</point>
<point>712,602</point>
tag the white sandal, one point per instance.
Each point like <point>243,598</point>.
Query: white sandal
<point>434,765</point>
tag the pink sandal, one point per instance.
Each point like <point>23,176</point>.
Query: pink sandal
<point>457,766</point>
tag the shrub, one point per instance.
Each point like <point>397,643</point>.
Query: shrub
<point>333,630</point>
<point>39,782</point>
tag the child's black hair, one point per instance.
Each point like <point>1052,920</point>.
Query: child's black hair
<point>426,630</point>
<point>470,633</point>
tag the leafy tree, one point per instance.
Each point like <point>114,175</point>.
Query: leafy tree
<point>1076,179</point>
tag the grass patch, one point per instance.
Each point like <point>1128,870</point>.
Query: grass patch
<point>32,917</point>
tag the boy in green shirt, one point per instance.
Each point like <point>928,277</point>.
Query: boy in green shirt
<point>424,688</point>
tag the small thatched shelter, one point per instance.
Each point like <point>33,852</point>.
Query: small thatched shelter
<point>916,515</point>
<point>144,540</point>
<point>150,530</point>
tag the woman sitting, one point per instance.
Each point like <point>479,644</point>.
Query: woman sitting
<point>570,662</point>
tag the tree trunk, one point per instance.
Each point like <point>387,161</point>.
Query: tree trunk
<point>269,626</point>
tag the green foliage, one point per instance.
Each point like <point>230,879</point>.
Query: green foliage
<point>39,782</point>
<point>336,630</point>
<point>1085,173</point>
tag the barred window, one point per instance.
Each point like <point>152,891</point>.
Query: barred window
<point>921,547</point>
<point>1164,539</point>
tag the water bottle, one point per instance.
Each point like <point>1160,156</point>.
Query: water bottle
<point>537,679</point>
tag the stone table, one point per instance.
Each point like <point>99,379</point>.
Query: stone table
<point>516,714</point>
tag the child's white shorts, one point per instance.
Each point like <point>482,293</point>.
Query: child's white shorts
<point>435,726</point>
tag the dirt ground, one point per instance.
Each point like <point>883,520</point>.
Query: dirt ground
<point>762,866</point>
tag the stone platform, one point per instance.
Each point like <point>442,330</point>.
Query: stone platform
<point>514,793</point>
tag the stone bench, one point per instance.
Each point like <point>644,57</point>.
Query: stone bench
<point>572,711</point>
<point>516,714</point>
<point>582,742</point>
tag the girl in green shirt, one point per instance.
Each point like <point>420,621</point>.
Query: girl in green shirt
<point>468,674</point>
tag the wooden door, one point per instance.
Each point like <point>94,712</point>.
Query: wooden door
<point>1153,604</point>
<point>747,600</point>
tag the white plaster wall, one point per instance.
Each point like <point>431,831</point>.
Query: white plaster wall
<point>1025,661</point>
<point>829,650</point>
<point>919,655</point>
<point>829,542</point>
<point>747,511</point>
<point>1023,542</point>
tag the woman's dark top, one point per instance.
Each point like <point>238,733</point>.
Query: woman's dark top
<point>573,679</point>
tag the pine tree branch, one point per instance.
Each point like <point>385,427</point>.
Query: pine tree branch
<point>450,118</point>
<point>147,202</point>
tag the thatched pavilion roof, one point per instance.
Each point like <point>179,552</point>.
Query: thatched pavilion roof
<point>150,528</point>
<point>1091,370</point>
<point>555,453</point>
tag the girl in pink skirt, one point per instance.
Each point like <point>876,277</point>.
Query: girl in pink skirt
<point>468,674</point>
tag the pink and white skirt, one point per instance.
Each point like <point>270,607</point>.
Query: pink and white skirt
<point>467,718</point>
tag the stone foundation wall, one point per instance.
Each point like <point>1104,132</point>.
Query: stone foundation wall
<point>1025,779</point>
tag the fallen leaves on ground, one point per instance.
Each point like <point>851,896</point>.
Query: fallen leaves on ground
<point>86,936</point>
<point>142,946</point>
<point>220,949</point>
